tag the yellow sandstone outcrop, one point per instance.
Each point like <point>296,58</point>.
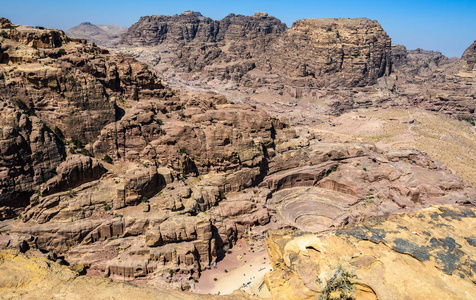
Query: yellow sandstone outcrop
<point>428,254</point>
<point>28,277</point>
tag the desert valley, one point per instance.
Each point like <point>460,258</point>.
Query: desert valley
<point>187,158</point>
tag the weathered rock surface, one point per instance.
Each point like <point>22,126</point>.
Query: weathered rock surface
<point>187,174</point>
<point>331,65</point>
<point>469,57</point>
<point>30,277</point>
<point>260,51</point>
<point>70,84</point>
<point>57,94</point>
<point>29,155</point>
<point>417,62</point>
<point>390,257</point>
<point>431,81</point>
<point>74,171</point>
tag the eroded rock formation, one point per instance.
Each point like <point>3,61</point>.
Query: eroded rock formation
<point>101,164</point>
<point>261,51</point>
<point>389,257</point>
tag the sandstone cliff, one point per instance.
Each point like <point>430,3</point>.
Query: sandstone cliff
<point>335,64</point>
<point>55,90</point>
<point>469,57</point>
<point>102,164</point>
<point>429,80</point>
<point>253,51</point>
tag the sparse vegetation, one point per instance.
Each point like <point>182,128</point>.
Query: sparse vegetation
<point>71,193</point>
<point>145,199</point>
<point>339,286</point>
<point>22,106</point>
<point>86,152</point>
<point>59,133</point>
<point>469,121</point>
<point>222,195</point>
<point>333,169</point>
<point>77,143</point>
<point>107,159</point>
<point>107,208</point>
<point>183,150</point>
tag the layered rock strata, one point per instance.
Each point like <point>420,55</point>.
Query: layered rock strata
<point>261,51</point>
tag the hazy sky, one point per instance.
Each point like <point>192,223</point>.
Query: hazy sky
<point>446,26</point>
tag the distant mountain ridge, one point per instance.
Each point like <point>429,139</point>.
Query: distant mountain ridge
<point>106,35</point>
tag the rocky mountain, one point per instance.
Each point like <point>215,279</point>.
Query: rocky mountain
<point>260,50</point>
<point>107,169</point>
<point>469,57</point>
<point>430,80</point>
<point>335,64</point>
<point>104,35</point>
<point>417,62</point>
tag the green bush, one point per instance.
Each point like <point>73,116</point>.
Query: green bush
<point>58,133</point>
<point>86,152</point>
<point>107,159</point>
<point>77,143</point>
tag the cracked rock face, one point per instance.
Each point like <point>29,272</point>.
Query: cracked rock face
<point>431,249</point>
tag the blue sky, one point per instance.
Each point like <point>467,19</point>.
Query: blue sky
<point>446,26</point>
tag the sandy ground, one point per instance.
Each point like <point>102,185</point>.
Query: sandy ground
<point>240,269</point>
<point>445,139</point>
